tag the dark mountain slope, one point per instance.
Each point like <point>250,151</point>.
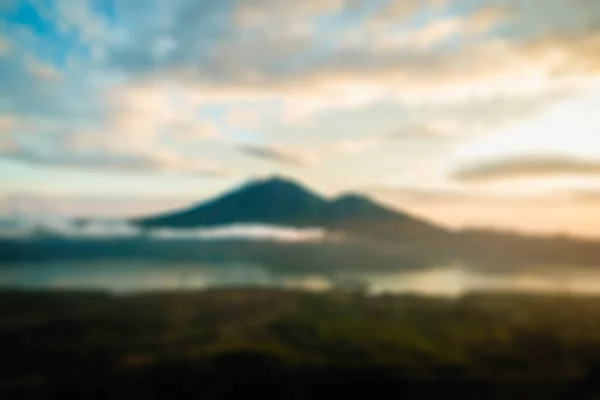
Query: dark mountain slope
<point>282,202</point>
<point>275,201</point>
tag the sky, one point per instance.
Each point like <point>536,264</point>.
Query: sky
<point>467,112</point>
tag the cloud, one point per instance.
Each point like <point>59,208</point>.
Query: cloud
<point>447,194</point>
<point>434,129</point>
<point>192,130</point>
<point>111,229</point>
<point>355,78</point>
<point>132,129</point>
<point>147,79</point>
<point>93,150</point>
<point>399,11</point>
<point>164,46</point>
<point>280,154</point>
<point>487,67</point>
<point>281,62</point>
<point>425,194</point>
<point>315,154</point>
<point>260,12</point>
<point>79,17</point>
<point>65,227</point>
<point>145,110</point>
<point>245,232</point>
<point>381,33</point>
<point>528,167</point>
<point>310,154</point>
<point>586,195</point>
<point>43,72</point>
<point>139,132</point>
<point>348,147</point>
<point>90,206</point>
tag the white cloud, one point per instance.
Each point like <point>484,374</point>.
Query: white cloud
<point>112,229</point>
<point>245,232</point>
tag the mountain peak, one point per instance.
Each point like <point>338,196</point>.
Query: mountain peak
<point>276,181</point>
<point>358,205</point>
<point>276,178</point>
<point>352,197</point>
<point>273,200</point>
<point>277,188</point>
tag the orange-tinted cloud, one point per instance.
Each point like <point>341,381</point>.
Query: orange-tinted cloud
<point>528,168</point>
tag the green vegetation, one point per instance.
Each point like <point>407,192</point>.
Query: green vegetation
<point>282,344</point>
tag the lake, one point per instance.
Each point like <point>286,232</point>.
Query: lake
<point>447,280</point>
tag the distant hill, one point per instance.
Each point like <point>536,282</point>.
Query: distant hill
<point>278,201</point>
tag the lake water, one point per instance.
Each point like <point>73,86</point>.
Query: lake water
<point>449,280</point>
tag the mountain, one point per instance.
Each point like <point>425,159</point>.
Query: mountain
<point>274,201</point>
<point>401,241</point>
<point>278,201</point>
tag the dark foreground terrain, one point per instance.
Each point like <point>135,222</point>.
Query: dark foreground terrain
<point>290,345</point>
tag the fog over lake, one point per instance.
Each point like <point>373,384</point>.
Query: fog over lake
<point>448,280</point>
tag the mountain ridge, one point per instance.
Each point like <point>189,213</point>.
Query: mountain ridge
<point>280,201</point>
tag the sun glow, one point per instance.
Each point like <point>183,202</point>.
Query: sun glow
<point>571,128</point>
